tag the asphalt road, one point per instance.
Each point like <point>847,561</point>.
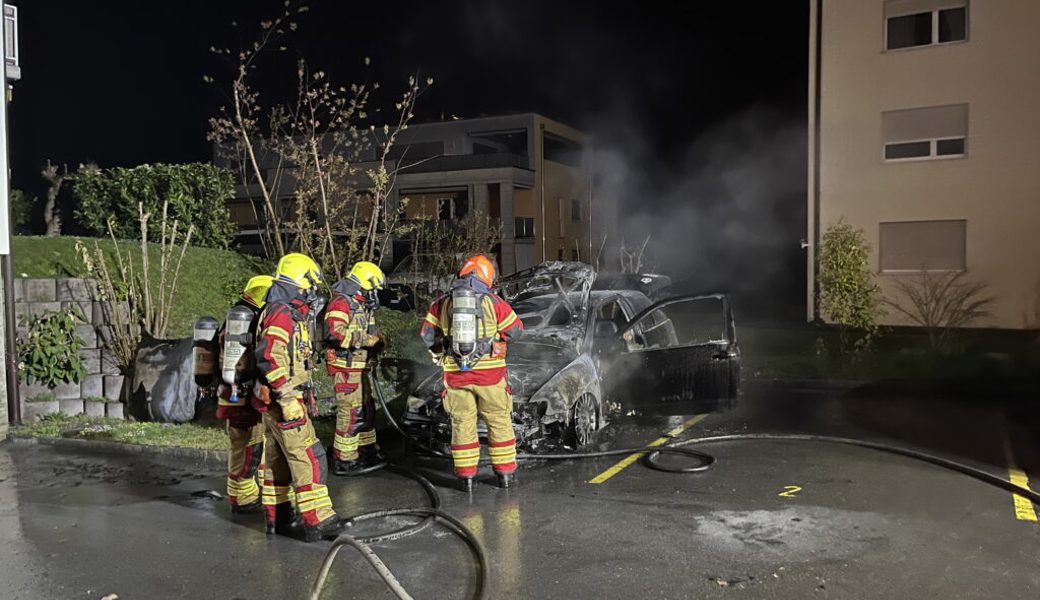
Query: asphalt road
<point>780,520</point>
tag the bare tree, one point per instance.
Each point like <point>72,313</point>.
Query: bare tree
<point>632,259</point>
<point>322,149</point>
<point>439,246</point>
<point>55,179</point>
<point>941,303</point>
<point>239,131</point>
<point>133,298</point>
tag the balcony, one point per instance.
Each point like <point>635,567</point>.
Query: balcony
<point>465,162</point>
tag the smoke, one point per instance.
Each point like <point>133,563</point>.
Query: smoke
<point>724,212</point>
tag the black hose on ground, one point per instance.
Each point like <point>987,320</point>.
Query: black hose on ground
<point>429,515</point>
<point>706,461</point>
<point>652,455</point>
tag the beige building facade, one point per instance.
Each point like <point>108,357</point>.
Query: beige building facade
<point>924,124</point>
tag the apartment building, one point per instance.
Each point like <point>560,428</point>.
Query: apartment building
<point>528,173</point>
<point>923,129</point>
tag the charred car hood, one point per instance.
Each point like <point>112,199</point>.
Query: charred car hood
<point>531,362</point>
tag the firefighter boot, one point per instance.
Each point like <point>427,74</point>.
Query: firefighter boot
<point>329,529</point>
<point>505,480</point>
<point>283,522</point>
<point>247,509</point>
<point>371,458</point>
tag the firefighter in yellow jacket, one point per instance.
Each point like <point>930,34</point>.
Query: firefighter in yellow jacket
<point>234,398</point>
<point>295,458</point>
<point>466,331</point>
<point>352,342</point>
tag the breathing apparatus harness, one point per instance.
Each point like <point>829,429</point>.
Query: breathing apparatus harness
<point>349,289</point>
<point>464,343</point>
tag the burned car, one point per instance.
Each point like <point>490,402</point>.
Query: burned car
<point>587,353</point>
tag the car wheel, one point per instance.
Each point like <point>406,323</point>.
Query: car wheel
<point>584,421</point>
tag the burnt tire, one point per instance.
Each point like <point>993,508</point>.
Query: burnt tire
<point>584,422</point>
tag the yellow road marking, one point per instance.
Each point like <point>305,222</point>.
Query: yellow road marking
<point>789,491</point>
<point>631,458</point>
<point>1024,510</point>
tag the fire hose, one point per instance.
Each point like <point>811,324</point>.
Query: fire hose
<point>651,456</point>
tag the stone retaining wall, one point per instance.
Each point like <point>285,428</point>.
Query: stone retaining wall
<point>103,383</point>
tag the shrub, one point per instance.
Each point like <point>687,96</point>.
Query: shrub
<point>49,352</point>
<point>942,303</point>
<point>849,296</point>
<point>196,193</point>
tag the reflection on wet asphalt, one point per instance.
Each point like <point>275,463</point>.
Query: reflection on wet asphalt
<point>771,520</point>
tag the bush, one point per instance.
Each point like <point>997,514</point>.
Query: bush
<point>849,296</point>
<point>49,353</point>
<point>197,193</point>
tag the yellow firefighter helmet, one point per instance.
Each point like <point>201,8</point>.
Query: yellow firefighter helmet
<point>256,288</point>
<point>368,275</point>
<point>298,270</point>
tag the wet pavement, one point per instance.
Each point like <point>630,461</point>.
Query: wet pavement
<point>772,519</point>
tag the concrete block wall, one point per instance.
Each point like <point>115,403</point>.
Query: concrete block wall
<point>34,297</point>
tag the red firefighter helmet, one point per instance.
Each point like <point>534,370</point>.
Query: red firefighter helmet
<point>480,267</point>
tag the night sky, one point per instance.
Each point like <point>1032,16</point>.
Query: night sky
<point>121,83</point>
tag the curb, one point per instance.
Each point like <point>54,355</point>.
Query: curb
<point>212,459</point>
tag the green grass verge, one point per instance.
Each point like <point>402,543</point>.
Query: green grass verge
<point>209,282</point>
<point>126,432</point>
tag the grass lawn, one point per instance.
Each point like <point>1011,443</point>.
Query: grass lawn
<point>126,432</point>
<point>209,280</point>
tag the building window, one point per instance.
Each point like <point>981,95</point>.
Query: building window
<point>575,211</point>
<point>916,23</point>
<point>559,254</point>
<point>923,133</point>
<point>561,150</point>
<point>575,255</point>
<point>915,246</point>
<point>523,227</point>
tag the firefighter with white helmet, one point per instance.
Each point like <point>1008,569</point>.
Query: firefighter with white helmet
<point>352,342</point>
<point>466,331</point>
<point>295,458</point>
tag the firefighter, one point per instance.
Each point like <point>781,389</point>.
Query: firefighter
<point>352,343</point>
<point>466,331</point>
<point>234,398</point>
<point>295,459</point>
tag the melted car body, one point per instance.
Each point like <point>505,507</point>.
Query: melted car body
<point>588,353</point>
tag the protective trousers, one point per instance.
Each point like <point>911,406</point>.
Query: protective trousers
<point>495,404</point>
<point>245,461</point>
<point>295,461</point>
<point>355,415</point>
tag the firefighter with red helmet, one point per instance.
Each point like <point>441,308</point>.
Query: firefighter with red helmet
<point>295,458</point>
<point>466,331</point>
<point>353,341</point>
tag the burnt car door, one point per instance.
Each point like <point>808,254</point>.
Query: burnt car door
<point>679,350</point>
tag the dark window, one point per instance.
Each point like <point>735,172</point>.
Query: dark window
<point>953,24</point>
<point>523,227</point>
<point>574,254</point>
<point>495,200</point>
<point>575,211</point>
<point>559,254</point>
<point>909,31</point>
<point>907,150</point>
<point>561,150</point>
<point>949,147</point>
<point>418,150</point>
<point>511,142</point>
<point>450,209</point>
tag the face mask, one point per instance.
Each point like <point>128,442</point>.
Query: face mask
<point>371,299</point>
